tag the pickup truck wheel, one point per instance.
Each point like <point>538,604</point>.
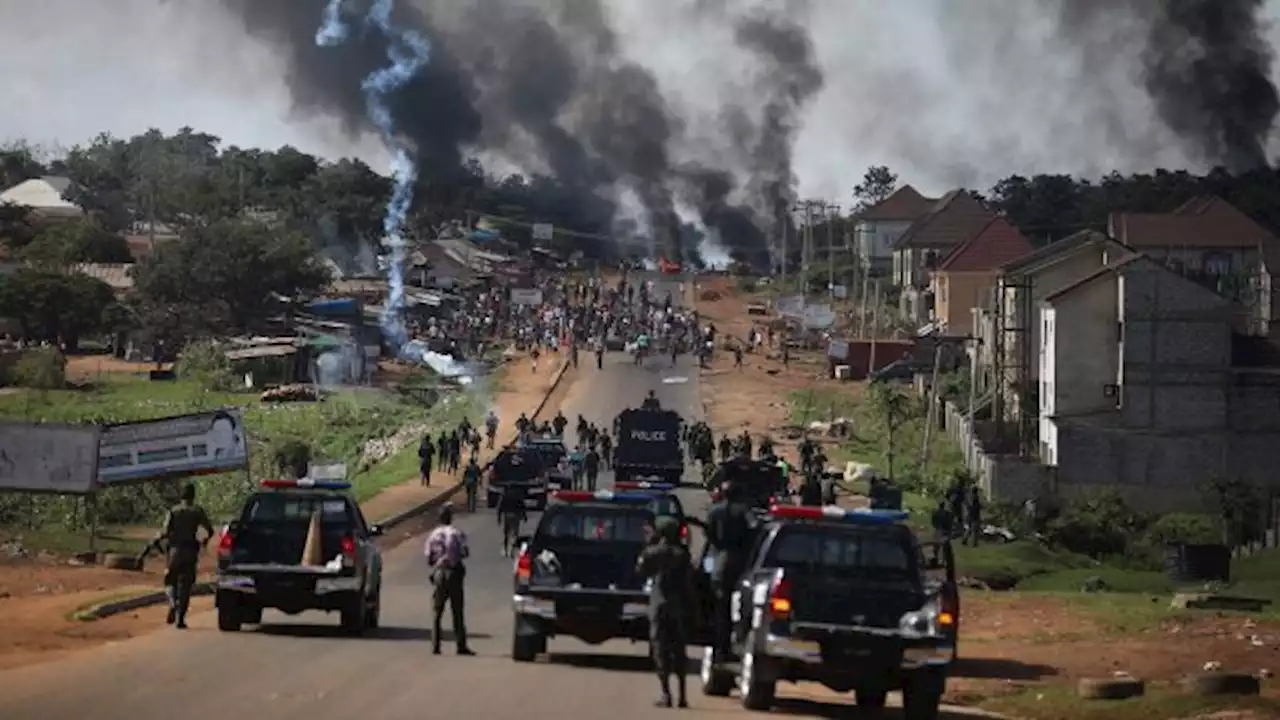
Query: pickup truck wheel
<point>525,648</point>
<point>373,614</point>
<point>354,617</point>
<point>757,693</point>
<point>252,616</point>
<point>715,681</point>
<point>872,698</point>
<point>920,701</point>
<point>229,619</point>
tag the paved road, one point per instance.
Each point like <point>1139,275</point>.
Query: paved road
<point>302,668</point>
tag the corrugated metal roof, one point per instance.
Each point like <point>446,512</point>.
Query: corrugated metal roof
<point>115,275</point>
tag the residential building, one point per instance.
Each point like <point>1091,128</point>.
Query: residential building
<point>143,238</point>
<point>878,228</point>
<point>1142,390</point>
<point>117,276</point>
<point>1210,240</point>
<point>951,221</point>
<point>49,197</point>
<point>1010,353</point>
<point>965,278</point>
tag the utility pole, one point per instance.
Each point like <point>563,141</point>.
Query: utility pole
<point>833,211</point>
<point>786,237</point>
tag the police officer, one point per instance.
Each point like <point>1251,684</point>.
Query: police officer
<point>591,467</point>
<point>651,402</point>
<point>728,532</point>
<point>180,528</point>
<point>446,553</point>
<point>667,564</point>
<point>471,481</point>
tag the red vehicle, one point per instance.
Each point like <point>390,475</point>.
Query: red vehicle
<point>666,267</point>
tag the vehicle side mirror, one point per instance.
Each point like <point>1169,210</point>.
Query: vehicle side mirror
<point>375,531</point>
<point>234,527</point>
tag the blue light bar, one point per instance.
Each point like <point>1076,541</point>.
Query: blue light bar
<point>644,485</point>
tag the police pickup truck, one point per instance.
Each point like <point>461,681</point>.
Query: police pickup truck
<point>840,597</point>
<point>522,466</point>
<point>555,458</point>
<point>263,557</point>
<point>577,576</point>
<point>648,445</point>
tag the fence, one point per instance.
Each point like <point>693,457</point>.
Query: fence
<point>1003,478</point>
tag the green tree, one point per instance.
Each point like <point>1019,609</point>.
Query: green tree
<point>60,245</point>
<point>221,278</point>
<point>55,307</point>
<point>878,183</point>
<point>895,410</point>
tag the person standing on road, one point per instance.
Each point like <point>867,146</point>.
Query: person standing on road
<point>471,481</point>
<point>591,467</point>
<point>426,454</point>
<point>667,565</point>
<point>446,551</point>
<point>728,533</point>
<point>511,513</point>
<point>180,527</point>
<point>491,427</point>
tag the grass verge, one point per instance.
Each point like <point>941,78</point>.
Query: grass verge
<point>1160,703</point>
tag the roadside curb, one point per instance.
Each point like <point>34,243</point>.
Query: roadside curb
<point>137,602</point>
<point>444,497</point>
<point>115,607</point>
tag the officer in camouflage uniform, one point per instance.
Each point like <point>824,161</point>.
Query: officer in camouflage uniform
<point>667,564</point>
<point>729,535</point>
<point>180,527</point>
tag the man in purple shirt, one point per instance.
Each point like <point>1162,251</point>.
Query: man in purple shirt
<point>446,550</point>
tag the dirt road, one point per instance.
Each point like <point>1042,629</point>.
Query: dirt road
<point>303,668</point>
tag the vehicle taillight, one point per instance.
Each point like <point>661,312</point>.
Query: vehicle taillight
<point>780,599</point>
<point>226,543</point>
<point>348,546</point>
<point>684,532</point>
<point>524,566</point>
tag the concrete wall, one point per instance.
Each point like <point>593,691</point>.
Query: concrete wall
<point>875,239</point>
<point>1084,352</point>
<point>1176,352</point>
<point>957,293</point>
<point>1003,478</point>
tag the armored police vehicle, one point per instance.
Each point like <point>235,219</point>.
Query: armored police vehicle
<point>648,446</point>
<point>299,545</point>
<point>841,597</point>
<point>577,576</point>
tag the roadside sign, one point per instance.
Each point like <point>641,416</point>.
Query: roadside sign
<point>49,458</point>
<point>200,444</point>
<point>543,231</point>
<point>327,471</point>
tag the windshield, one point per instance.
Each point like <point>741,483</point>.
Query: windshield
<point>596,524</point>
<point>843,550</point>
<point>283,508</point>
<point>667,505</point>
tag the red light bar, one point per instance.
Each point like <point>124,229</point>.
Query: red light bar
<point>863,516</point>
<point>573,496</point>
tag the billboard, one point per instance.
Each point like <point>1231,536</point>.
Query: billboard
<point>211,442</point>
<point>526,296</point>
<point>49,458</point>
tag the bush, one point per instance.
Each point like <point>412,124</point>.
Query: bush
<point>1099,527</point>
<point>206,363</point>
<point>292,458</point>
<point>40,369</point>
<point>747,285</point>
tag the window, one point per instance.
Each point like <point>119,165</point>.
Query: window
<point>1217,263</point>
<point>284,508</point>
<point>850,550</point>
<point>596,524</point>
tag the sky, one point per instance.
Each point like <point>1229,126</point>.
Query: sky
<point>945,92</point>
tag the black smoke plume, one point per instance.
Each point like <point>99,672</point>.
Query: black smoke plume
<point>435,111</point>
<point>791,79</point>
<point>1205,64</point>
